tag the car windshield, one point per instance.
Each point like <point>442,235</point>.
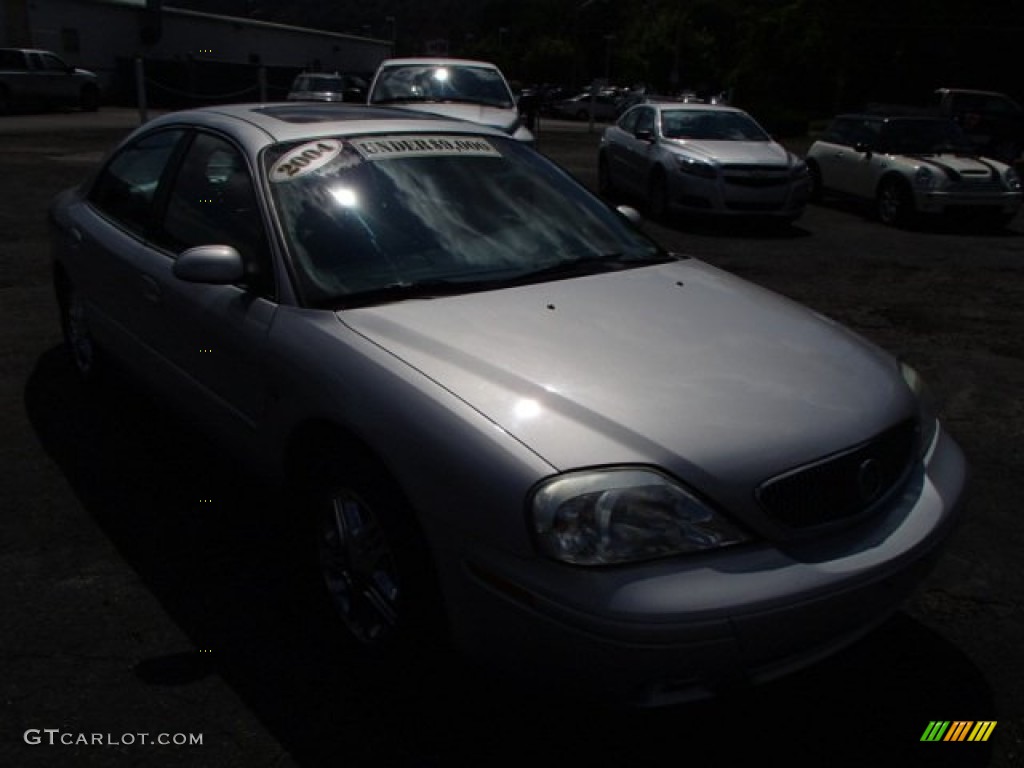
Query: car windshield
<point>923,137</point>
<point>324,84</point>
<point>376,219</point>
<point>710,125</point>
<point>441,83</point>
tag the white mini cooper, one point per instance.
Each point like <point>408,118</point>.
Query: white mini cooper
<point>908,166</point>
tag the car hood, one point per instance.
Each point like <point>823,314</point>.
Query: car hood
<point>955,165</point>
<point>679,365</point>
<point>734,152</point>
<point>503,118</point>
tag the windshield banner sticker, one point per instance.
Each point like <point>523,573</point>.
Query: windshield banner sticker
<point>429,146</point>
<point>305,159</point>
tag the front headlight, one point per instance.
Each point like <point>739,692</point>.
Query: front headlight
<point>696,167</point>
<point>622,515</point>
<point>1012,180</point>
<point>927,412</point>
<point>924,178</point>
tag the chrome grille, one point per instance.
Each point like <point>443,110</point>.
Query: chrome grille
<point>843,485</point>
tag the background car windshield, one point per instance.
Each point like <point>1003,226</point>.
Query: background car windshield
<point>710,125</point>
<point>364,215</point>
<point>923,137</point>
<point>459,83</point>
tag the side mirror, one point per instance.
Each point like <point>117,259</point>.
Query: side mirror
<point>211,264</point>
<point>645,135</point>
<point>863,146</point>
<point>632,215</point>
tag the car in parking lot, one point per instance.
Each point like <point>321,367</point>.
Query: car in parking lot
<point>459,88</point>
<point>584,106</point>
<point>701,158</point>
<point>515,422</point>
<point>328,86</point>
<point>907,165</point>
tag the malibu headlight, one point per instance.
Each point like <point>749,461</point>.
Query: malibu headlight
<point>624,515</point>
<point>696,167</point>
<point>1012,180</point>
<point>797,167</point>
<point>927,412</point>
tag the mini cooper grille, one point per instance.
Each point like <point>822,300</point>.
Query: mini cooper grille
<point>841,486</point>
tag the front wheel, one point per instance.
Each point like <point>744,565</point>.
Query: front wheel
<point>89,99</point>
<point>605,186</point>
<point>816,193</point>
<point>78,336</point>
<point>657,196</point>
<point>373,560</point>
<point>894,203</point>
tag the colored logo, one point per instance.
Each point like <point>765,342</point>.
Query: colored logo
<point>958,730</point>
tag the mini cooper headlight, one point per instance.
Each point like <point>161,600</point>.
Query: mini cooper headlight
<point>622,515</point>
<point>924,178</point>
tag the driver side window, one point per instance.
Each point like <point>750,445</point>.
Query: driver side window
<point>213,201</point>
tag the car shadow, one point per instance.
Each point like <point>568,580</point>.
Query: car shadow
<point>236,574</point>
<point>961,223</point>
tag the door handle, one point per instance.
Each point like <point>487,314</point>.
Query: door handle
<point>151,289</point>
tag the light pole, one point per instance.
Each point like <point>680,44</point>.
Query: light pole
<point>390,20</point>
<point>608,40</point>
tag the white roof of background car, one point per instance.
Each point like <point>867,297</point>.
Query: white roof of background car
<point>257,125</point>
<point>437,60</point>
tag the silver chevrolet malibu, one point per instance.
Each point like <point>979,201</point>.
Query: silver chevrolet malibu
<point>517,424</point>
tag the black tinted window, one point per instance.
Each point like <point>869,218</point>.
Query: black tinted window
<point>126,188</point>
<point>213,201</point>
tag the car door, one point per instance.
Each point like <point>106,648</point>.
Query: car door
<point>108,257</point>
<point>845,162</point>
<point>630,161</point>
<point>215,335</point>
<point>56,84</point>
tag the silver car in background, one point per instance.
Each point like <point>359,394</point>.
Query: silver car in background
<point>515,423</point>
<point>459,88</point>
<point>328,86</point>
<point>702,159</point>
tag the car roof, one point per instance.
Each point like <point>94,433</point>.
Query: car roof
<point>437,60</point>
<point>267,123</point>
<point>688,106</point>
<point>886,117</point>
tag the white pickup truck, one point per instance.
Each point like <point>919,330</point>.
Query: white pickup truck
<point>32,78</point>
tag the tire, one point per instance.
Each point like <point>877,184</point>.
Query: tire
<point>817,191</point>
<point>78,338</point>
<point>89,99</point>
<point>373,559</point>
<point>657,196</point>
<point>605,185</point>
<point>894,202</point>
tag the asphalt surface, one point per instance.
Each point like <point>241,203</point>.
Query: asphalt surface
<point>151,591</point>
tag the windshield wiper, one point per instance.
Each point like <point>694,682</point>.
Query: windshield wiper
<point>589,265</point>
<point>402,291</point>
<point>436,288</point>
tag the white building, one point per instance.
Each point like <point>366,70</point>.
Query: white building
<point>105,35</point>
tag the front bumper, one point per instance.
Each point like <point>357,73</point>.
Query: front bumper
<point>722,196</point>
<point>937,201</point>
<point>685,629</point>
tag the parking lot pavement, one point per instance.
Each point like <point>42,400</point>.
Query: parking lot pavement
<point>150,588</point>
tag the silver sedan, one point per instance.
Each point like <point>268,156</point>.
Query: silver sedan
<point>701,158</point>
<point>516,424</point>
